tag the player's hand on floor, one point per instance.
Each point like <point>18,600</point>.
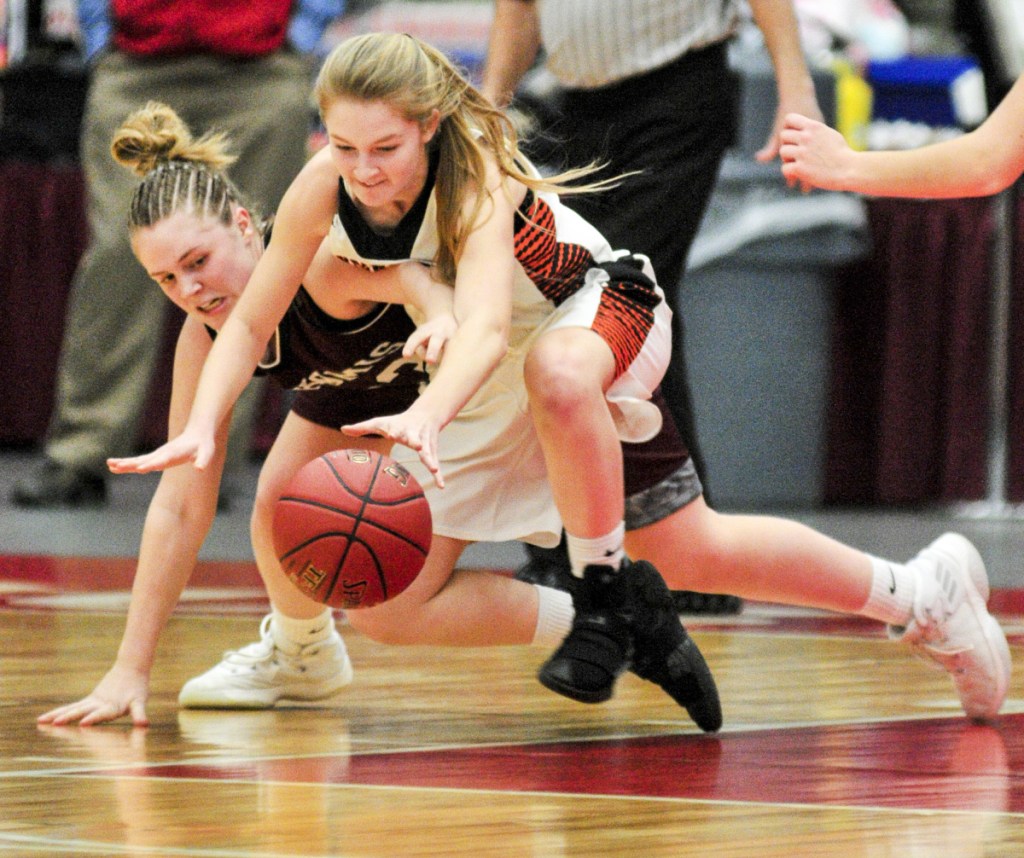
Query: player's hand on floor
<point>120,692</point>
<point>417,431</point>
<point>189,446</point>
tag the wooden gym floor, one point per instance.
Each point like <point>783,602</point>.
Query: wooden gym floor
<point>837,742</point>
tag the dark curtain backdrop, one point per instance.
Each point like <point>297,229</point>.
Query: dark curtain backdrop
<point>42,235</point>
<point>909,402</point>
<point>1015,406</point>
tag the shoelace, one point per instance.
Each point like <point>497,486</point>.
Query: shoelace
<point>266,648</point>
<point>255,652</point>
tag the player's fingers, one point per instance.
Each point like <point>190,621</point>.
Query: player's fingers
<point>138,713</point>
<point>435,348</point>
<point>414,342</point>
<point>48,717</point>
<point>357,430</point>
<point>143,465</point>
<point>376,428</point>
<point>435,470</point>
<point>158,460</point>
<point>65,714</point>
<point>428,455</point>
<point>203,456</point>
<point>795,120</point>
<point>122,466</point>
<point>99,713</point>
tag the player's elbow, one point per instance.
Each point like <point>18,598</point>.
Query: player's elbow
<point>490,341</point>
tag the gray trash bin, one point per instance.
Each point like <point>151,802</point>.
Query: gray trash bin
<point>757,304</point>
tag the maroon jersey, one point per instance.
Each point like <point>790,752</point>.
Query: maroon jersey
<point>343,370</point>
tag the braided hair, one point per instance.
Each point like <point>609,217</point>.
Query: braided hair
<point>179,172</point>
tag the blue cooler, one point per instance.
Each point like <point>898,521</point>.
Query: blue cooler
<point>941,91</point>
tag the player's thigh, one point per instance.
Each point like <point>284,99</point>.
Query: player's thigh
<point>679,545</point>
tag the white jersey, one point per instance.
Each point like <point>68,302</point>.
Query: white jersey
<point>496,481</point>
<point>555,247</point>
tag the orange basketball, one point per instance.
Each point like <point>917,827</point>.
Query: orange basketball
<point>352,529</point>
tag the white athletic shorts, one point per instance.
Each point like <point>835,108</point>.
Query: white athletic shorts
<point>496,483</point>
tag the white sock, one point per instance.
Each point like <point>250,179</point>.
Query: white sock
<point>554,616</point>
<point>289,630</point>
<point>892,592</point>
<point>602,551</point>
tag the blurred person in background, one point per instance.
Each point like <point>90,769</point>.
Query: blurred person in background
<point>243,67</point>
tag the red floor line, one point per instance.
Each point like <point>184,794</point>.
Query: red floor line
<point>934,764</point>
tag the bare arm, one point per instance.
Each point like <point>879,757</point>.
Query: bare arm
<point>349,291</point>
<point>483,310</point>
<point>980,163</point>
<point>303,220</point>
<point>511,49</point>
<point>179,517</point>
<point>777,21</point>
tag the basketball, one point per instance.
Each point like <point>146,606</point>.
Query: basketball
<point>352,529</point>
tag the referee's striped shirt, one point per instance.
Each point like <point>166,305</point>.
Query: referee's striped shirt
<point>591,43</point>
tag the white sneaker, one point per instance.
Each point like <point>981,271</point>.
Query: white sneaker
<point>952,627</point>
<point>263,675</point>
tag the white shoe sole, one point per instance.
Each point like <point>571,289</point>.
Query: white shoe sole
<point>241,699</point>
<point>961,554</point>
<point>223,701</point>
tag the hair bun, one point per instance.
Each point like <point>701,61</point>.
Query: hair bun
<point>156,135</point>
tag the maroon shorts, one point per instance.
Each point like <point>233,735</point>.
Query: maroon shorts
<point>659,474</point>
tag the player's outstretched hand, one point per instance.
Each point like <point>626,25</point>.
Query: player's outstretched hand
<point>120,692</point>
<point>417,431</point>
<point>813,155</point>
<point>430,338</point>
<point>801,101</point>
<point>189,446</point>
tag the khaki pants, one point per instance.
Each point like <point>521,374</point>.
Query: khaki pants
<point>116,313</point>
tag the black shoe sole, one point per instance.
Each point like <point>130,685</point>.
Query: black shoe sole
<point>706,604</point>
<point>706,710</point>
<point>573,693</point>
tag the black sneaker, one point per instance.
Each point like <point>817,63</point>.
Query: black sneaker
<point>664,653</point>
<point>53,484</point>
<point>548,567</point>
<point>599,645</point>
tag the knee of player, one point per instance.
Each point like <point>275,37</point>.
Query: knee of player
<point>559,382</point>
